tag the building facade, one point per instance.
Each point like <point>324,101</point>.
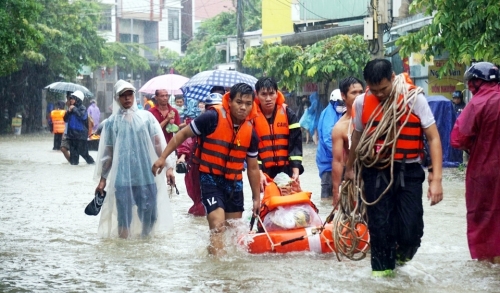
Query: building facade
<point>155,24</point>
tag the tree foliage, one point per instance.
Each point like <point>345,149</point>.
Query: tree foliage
<point>201,53</point>
<point>18,32</point>
<point>70,36</point>
<point>335,58</point>
<point>464,30</point>
<point>66,38</point>
<point>280,62</point>
<point>327,60</point>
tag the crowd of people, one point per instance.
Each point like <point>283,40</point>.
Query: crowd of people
<point>372,135</point>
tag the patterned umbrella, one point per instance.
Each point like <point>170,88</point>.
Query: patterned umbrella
<point>170,82</point>
<point>63,87</point>
<point>199,86</point>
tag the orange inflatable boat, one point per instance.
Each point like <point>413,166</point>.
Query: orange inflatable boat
<point>313,239</point>
<point>301,230</point>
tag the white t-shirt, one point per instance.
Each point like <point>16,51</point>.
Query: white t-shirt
<point>421,109</point>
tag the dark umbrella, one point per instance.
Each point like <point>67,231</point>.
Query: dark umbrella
<point>63,87</point>
<point>199,86</point>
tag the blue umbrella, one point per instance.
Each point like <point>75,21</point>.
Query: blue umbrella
<point>199,86</point>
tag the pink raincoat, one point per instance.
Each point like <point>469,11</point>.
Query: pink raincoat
<point>192,177</point>
<point>477,130</point>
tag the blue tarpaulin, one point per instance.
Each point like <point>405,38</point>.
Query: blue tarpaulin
<point>445,116</point>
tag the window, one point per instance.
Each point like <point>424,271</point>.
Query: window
<point>105,21</point>
<point>125,38</point>
<point>173,24</point>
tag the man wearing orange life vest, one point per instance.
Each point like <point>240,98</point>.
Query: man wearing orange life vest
<point>226,139</point>
<point>57,117</point>
<point>280,146</point>
<point>395,222</point>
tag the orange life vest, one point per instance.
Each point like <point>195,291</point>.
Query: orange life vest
<point>409,144</point>
<point>273,145</point>
<point>57,117</point>
<point>273,199</point>
<point>223,152</point>
<point>150,103</point>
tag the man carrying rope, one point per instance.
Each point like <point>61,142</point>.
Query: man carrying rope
<point>350,88</point>
<point>389,122</point>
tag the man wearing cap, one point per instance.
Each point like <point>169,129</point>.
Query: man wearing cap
<point>131,140</point>
<point>95,114</point>
<point>77,133</point>
<point>350,88</point>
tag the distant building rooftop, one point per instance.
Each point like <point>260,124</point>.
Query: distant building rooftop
<point>205,9</point>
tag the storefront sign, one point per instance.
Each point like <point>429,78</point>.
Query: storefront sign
<point>452,79</point>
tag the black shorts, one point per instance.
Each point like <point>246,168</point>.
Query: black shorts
<point>214,197</point>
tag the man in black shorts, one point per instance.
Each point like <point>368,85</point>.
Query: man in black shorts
<point>226,139</point>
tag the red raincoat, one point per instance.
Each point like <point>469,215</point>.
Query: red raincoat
<point>477,130</point>
<point>192,177</point>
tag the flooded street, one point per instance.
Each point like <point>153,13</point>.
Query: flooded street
<point>48,244</point>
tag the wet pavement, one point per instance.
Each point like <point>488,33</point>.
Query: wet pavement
<point>48,244</point>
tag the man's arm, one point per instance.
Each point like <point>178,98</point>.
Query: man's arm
<point>253,174</point>
<point>435,192</point>
<point>179,138</point>
<point>337,160</point>
<point>107,161</point>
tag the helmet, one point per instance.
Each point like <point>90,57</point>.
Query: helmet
<point>335,95</point>
<point>482,70</point>
<point>213,99</point>
<point>79,95</point>
<point>457,94</point>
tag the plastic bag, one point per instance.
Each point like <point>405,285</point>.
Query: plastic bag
<point>291,217</point>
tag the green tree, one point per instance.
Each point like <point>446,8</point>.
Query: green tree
<point>19,34</point>
<point>327,60</point>
<point>166,59</point>
<point>278,61</point>
<point>464,30</point>
<point>67,40</point>
<point>335,58</point>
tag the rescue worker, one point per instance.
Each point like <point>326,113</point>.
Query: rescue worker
<point>392,174</point>
<point>226,139</point>
<point>280,146</point>
<point>476,131</point>
<point>57,117</point>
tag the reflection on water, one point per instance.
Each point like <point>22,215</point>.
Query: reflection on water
<point>48,244</point>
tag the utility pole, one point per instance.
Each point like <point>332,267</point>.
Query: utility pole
<point>374,26</point>
<point>239,36</point>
